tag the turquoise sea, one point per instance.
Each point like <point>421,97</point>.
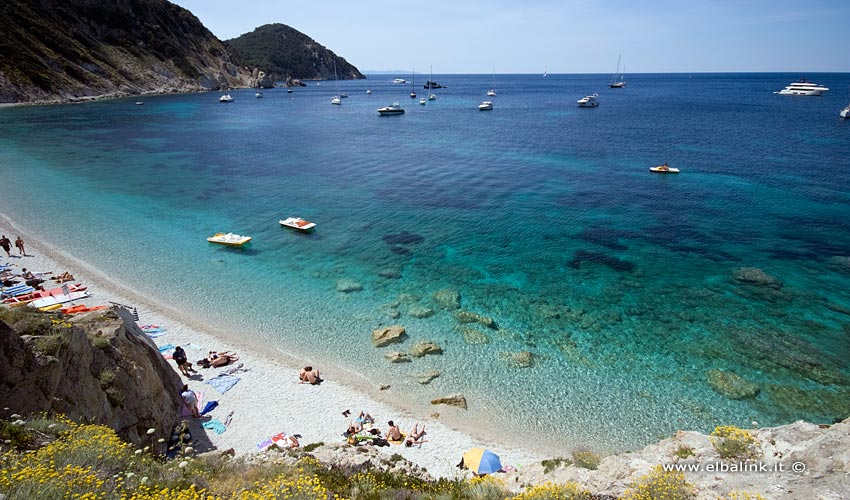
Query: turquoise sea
<point>625,291</point>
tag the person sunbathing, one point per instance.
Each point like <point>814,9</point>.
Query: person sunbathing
<point>394,434</point>
<point>217,359</point>
<point>415,436</point>
<point>309,376</point>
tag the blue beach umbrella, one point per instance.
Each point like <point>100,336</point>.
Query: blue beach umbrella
<point>481,461</point>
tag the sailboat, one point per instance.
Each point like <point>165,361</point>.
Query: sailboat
<point>545,74</point>
<point>617,81</point>
<point>433,96</point>
<point>336,99</point>
<point>492,91</point>
<point>412,91</point>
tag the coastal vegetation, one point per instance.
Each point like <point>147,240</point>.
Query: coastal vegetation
<point>56,457</point>
<point>74,49</point>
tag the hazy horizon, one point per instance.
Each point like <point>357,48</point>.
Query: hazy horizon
<point>561,37</point>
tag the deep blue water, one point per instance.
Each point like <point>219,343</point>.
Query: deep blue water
<point>624,285</point>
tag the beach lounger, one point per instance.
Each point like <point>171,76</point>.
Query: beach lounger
<point>16,290</point>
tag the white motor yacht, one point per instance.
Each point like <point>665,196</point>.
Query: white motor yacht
<point>588,101</point>
<point>225,98</point>
<point>399,80</point>
<point>485,106</point>
<point>845,113</point>
<point>336,100</point>
<point>803,87</point>
<point>393,109</point>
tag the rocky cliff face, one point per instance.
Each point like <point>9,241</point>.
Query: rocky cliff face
<point>285,53</point>
<point>99,367</point>
<point>71,49</point>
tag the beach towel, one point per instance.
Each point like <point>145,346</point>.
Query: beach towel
<point>237,369</point>
<point>154,335</point>
<point>214,425</point>
<point>210,406</point>
<point>266,444</point>
<point>223,382</point>
<point>186,411</point>
<point>166,347</point>
<point>196,347</point>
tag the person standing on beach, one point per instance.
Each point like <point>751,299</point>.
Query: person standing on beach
<point>19,243</point>
<point>190,400</point>
<point>6,244</point>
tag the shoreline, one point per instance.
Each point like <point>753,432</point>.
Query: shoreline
<point>268,399</point>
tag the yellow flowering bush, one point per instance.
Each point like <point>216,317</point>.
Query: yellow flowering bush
<point>741,495</point>
<point>659,484</point>
<point>552,491</point>
<point>735,443</point>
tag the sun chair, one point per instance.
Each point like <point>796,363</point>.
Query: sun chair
<point>16,290</point>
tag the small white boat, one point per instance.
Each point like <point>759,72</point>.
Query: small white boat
<point>139,103</point>
<point>845,113</point>
<point>369,91</point>
<point>336,100</point>
<point>491,93</point>
<point>343,95</point>
<point>399,80</point>
<point>432,97</point>
<point>803,87</point>
<point>258,95</point>
<point>225,98</point>
<point>588,101</point>
<point>423,100</point>
<point>288,90</point>
<point>229,239</point>
<point>664,169</point>
<point>393,109</point>
<point>297,223</point>
<point>485,106</point>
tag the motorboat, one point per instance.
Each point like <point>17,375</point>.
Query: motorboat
<point>588,101</point>
<point>258,95</point>
<point>225,98</point>
<point>430,84</point>
<point>803,87</point>
<point>368,91</point>
<point>664,169</point>
<point>140,103</point>
<point>432,97</point>
<point>485,106</point>
<point>336,100</point>
<point>229,239</point>
<point>399,80</point>
<point>845,113</point>
<point>288,90</point>
<point>491,93</point>
<point>343,95</point>
<point>423,100</point>
<point>393,109</point>
<point>297,223</point>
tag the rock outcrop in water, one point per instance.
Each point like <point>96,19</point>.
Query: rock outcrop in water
<point>53,50</point>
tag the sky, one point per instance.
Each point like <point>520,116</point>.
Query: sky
<point>558,36</point>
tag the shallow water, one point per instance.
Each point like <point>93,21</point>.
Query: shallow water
<point>540,215</point>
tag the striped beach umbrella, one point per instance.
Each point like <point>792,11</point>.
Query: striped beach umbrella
<point>481,461</point>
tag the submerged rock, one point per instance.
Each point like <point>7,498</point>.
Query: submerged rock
<point>388,335</point>
<point>521,359</point>
<point>347,285</point>
<point>420,312</point>
<point>426,377</point>
<point>756,277</point>
<point>425,348</point>
<point>458,400</point>
<point>447,298</point>
<point>390,273</point>
<point>731,385</point>
<point>397,357</point>
<point>474,337</point>
<point>471,317</point>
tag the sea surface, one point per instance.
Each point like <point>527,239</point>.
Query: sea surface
<point>619,301</point>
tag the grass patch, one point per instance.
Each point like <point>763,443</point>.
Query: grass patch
<point>554,463</point>
<point>312,446</point>
<point>586,459</point>
<point>683,452</point>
